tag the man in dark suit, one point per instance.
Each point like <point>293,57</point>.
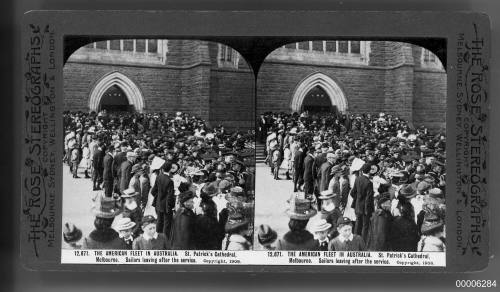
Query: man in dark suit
<point>119,157</point>
<point>298,168</point>
<point>97,165</point>
<point>164,199</point>
<point>263,125</point>
<point>362,194</point>
<point>318,162</point>
<point>125,173</point>
<point>308,172</point>
<point>107,173</point>
<point>325,174</point>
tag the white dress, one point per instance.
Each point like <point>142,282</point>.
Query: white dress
<point>85,162</point>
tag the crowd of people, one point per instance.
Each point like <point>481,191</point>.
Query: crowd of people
<point>161,181</point>
<point>360,182</point>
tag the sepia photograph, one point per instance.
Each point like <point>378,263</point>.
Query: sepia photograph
<point>350,148</point>
<point>158,146</point>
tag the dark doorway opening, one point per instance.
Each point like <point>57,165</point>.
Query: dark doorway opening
<point>318,101</point>
<point>115,100</point>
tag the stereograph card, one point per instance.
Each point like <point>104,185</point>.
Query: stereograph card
<point>255,141</point>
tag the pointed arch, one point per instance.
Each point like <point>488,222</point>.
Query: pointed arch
<point>335,93</point>
<point>130,89</point>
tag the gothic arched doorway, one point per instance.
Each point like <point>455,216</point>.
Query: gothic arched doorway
<point>318,92</point>
<point>120,88</point>
<point>115,100</point>
<point>318,101</point>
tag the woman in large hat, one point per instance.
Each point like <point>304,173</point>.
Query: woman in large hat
<point>103,236</point>
<point>433,232</point>
<point>236,229</point>
<point>298,238</point>
<point>182,232</point>
<point>131,209</point>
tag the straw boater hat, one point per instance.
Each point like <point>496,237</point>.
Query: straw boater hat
<point>157,163</point>
<point>105,207</point>
<point>124,223</point>
<point>235,221</point>
<point>320,225</point>
<point>300,209</point>
<point>129,193</point>
<point>266,234</point>
<point>71,233</point>
<point>327,194</point>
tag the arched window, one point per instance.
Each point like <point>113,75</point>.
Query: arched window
<point>429,60</point>
<point>227,57</point>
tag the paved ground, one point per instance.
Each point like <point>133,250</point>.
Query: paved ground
<point>77,201</point>
<point>270,200</point>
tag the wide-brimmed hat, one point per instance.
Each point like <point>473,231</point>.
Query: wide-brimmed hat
<point>407,191</point>
<point>431,223</point>
<point>266,234</point>
<point>157,163</point>
<point>124,223</point>
<point>300,209</point>
<point>184,196</point>
<point>71,233</point>
<point>436,193</point>
<point>235,221</point>
<point>129,193</point>
<point>237,191</point>
<point>327,194</point>
<point>320,225</point>
<point>106,207</point>
<point>423,187</point>
<point>209,189</point>
<point>223,185</point>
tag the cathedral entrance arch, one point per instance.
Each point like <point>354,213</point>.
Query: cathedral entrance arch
<point>318,93</point>
<point>106,94</point>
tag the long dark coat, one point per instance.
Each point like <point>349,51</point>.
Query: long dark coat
<point>362,194</point>
<point>308,174</point>
<point>104,239</point>
<point>125,175</point>
<point>182,232</point>
<point>208,234</point>
<point>379,230</point>
<point>163,193</point>
<point>297,240</point>
<point>324,176</point>
<point>107,173</point>
<point>403,235</point>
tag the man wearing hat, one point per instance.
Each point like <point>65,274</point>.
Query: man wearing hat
<point>119,157</point>
<point>325,171</point>
<point>125,172</point>
<point>321,228</point>
<point>182,234</point>
<point>308,176</point>
<point>164,199</point>
<point>298,166</point>
<point>362,194</point>
<point>125,227</point>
